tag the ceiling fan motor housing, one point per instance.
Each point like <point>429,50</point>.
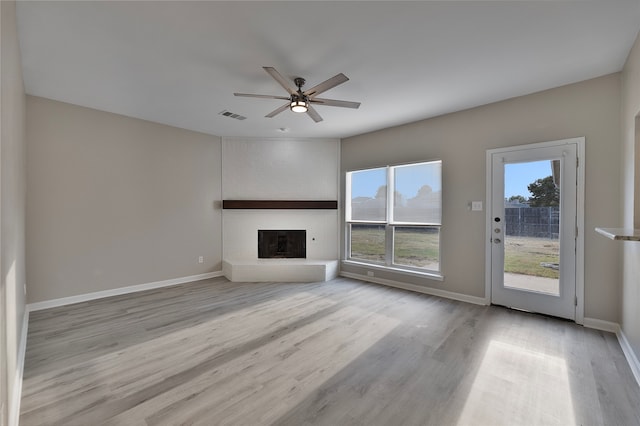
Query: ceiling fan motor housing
<point>299,97</point>
<point>299,101</point>
<point>299,81</point>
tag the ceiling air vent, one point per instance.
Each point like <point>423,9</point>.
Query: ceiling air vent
<point>232,115</point>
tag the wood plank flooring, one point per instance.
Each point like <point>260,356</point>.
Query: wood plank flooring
<point>342,352</point>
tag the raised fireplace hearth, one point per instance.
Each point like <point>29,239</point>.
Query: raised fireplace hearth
<point>282,257</point>
<point>279,270</point>
<point>282,244</point>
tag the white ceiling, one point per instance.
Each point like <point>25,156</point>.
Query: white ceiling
<point>179,63</point>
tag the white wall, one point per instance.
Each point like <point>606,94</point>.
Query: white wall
<point>12,211</point>
<point>115,201</point>
<point>630,297</point>
<point>241,231</point>
<point>280,169</point>
<point>590,109</point>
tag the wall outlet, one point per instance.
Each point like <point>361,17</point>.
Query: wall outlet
<point>369,273</point>
<point>476,206</point>
<point>201,259</point>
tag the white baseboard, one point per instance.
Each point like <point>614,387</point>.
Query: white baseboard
<point>419,289</point>
<point>630,355</point>
<point>596,324</point>
<point>119,291</point>
<point>14,409</point>
<point>614,327</point>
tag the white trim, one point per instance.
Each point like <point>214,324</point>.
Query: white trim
<point>596,324</point>
<point>580,222</point>
<point>631,357</point>
<point>14,408</point>
<point>419,289</point>
<point>119,291</point>
<point>488,203</point>
<point>432,275</point>
<point>580,197</point>
<point>614,327</point>
<point>537,145</point>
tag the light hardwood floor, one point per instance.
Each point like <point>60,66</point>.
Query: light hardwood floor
<point>336,353</point>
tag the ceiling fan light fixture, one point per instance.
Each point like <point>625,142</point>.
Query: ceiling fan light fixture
<point>299,101</point>
<point>298,105</point>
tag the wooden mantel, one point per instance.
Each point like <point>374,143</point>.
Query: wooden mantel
<point>281,204</point>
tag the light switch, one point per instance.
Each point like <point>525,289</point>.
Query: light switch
<point>476,206</point>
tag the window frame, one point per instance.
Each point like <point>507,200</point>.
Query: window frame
<point>390,226</point>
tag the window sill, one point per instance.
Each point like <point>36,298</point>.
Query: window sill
<point>429,275</point>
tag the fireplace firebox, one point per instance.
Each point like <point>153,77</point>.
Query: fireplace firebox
<point>282,243</point>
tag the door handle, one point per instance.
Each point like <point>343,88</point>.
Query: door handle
<point>497,240</point>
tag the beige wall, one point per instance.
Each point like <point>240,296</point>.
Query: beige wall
<point>115,201</point>
<point>590,109</point>
<point>630,320</point>
<point>12,207</point>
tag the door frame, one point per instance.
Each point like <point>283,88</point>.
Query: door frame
<point>580,179</point>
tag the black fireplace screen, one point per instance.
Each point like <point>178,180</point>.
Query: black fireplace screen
<point>282,244</point>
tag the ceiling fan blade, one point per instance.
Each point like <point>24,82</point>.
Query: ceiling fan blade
<point>326,85</point>
<point>313,114</point>
<point>277,111</point>
<point>336,103</point>
<point>280,79</point>
<point>251,95</point>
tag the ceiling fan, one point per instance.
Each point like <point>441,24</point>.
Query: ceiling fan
<point>301,101</point>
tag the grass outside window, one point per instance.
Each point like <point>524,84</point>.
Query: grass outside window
<point>417,246</point>
<point>368,242</point>
<point>528,255</point>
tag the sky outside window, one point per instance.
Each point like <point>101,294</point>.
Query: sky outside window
<point>408,180</point>
<point>517,176</point>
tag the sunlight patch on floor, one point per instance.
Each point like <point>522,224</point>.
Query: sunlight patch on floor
<point>519,386</point>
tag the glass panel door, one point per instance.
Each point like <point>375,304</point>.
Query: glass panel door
<point>532,226</point>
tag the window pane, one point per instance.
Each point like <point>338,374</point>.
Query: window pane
<point>418,193</point>
<point>369,194</point>
<point>417,246</point>
<point>367,242</point>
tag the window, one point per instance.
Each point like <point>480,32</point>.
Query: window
<point>393,216</point>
